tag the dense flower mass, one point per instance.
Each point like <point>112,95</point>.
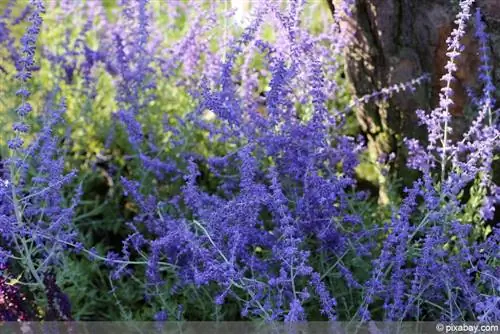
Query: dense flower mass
<point>188,164</point>
<point>14,306</point>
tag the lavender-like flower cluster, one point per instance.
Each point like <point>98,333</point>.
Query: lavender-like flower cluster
<point>35,217</point>
<point>250,192</point>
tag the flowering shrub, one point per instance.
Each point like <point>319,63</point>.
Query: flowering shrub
<point>206,168</point>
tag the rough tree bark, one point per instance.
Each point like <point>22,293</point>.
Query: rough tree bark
<point>397,40</point>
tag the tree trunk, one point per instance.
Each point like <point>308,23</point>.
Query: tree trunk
<point>396,41</point>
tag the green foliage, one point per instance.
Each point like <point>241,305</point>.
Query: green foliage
<point>104,210</point>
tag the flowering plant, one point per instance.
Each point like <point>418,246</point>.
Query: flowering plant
<point>170,154</point>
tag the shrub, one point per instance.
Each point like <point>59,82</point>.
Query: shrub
<point>211,171</point>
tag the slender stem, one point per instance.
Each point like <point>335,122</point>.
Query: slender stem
<point>27,253</point>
